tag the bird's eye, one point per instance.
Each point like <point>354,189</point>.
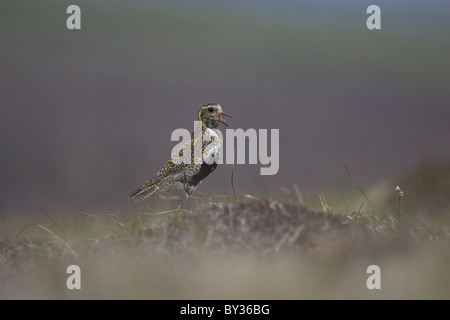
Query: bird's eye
<point>210,109</point>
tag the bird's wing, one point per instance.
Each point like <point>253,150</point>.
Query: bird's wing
<point>159,182</point>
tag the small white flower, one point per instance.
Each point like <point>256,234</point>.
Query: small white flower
<point>399,192</point>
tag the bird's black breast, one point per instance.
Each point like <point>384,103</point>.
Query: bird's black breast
<point>203,172</point>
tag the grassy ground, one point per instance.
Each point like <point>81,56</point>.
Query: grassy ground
<point>248,249</point>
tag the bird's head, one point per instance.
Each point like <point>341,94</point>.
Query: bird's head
<point>210,114</point>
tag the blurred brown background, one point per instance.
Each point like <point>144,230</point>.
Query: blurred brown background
<point>86,116</point>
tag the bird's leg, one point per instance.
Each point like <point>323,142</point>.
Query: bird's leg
<point>188,195</point>
<point>188,203</point>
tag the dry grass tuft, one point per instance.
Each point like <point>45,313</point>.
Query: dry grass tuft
<point>254,249</point>
<point>258,228</point>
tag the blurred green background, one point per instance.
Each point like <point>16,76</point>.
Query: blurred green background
<point>86,116</point>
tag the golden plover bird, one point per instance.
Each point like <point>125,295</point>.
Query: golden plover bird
<point>187,175</point>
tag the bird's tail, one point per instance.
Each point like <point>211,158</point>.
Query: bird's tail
<point>145,190</point>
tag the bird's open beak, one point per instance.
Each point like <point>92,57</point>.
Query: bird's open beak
<point>219,118</point>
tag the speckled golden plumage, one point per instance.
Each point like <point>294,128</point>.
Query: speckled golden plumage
<point>188,176</point>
